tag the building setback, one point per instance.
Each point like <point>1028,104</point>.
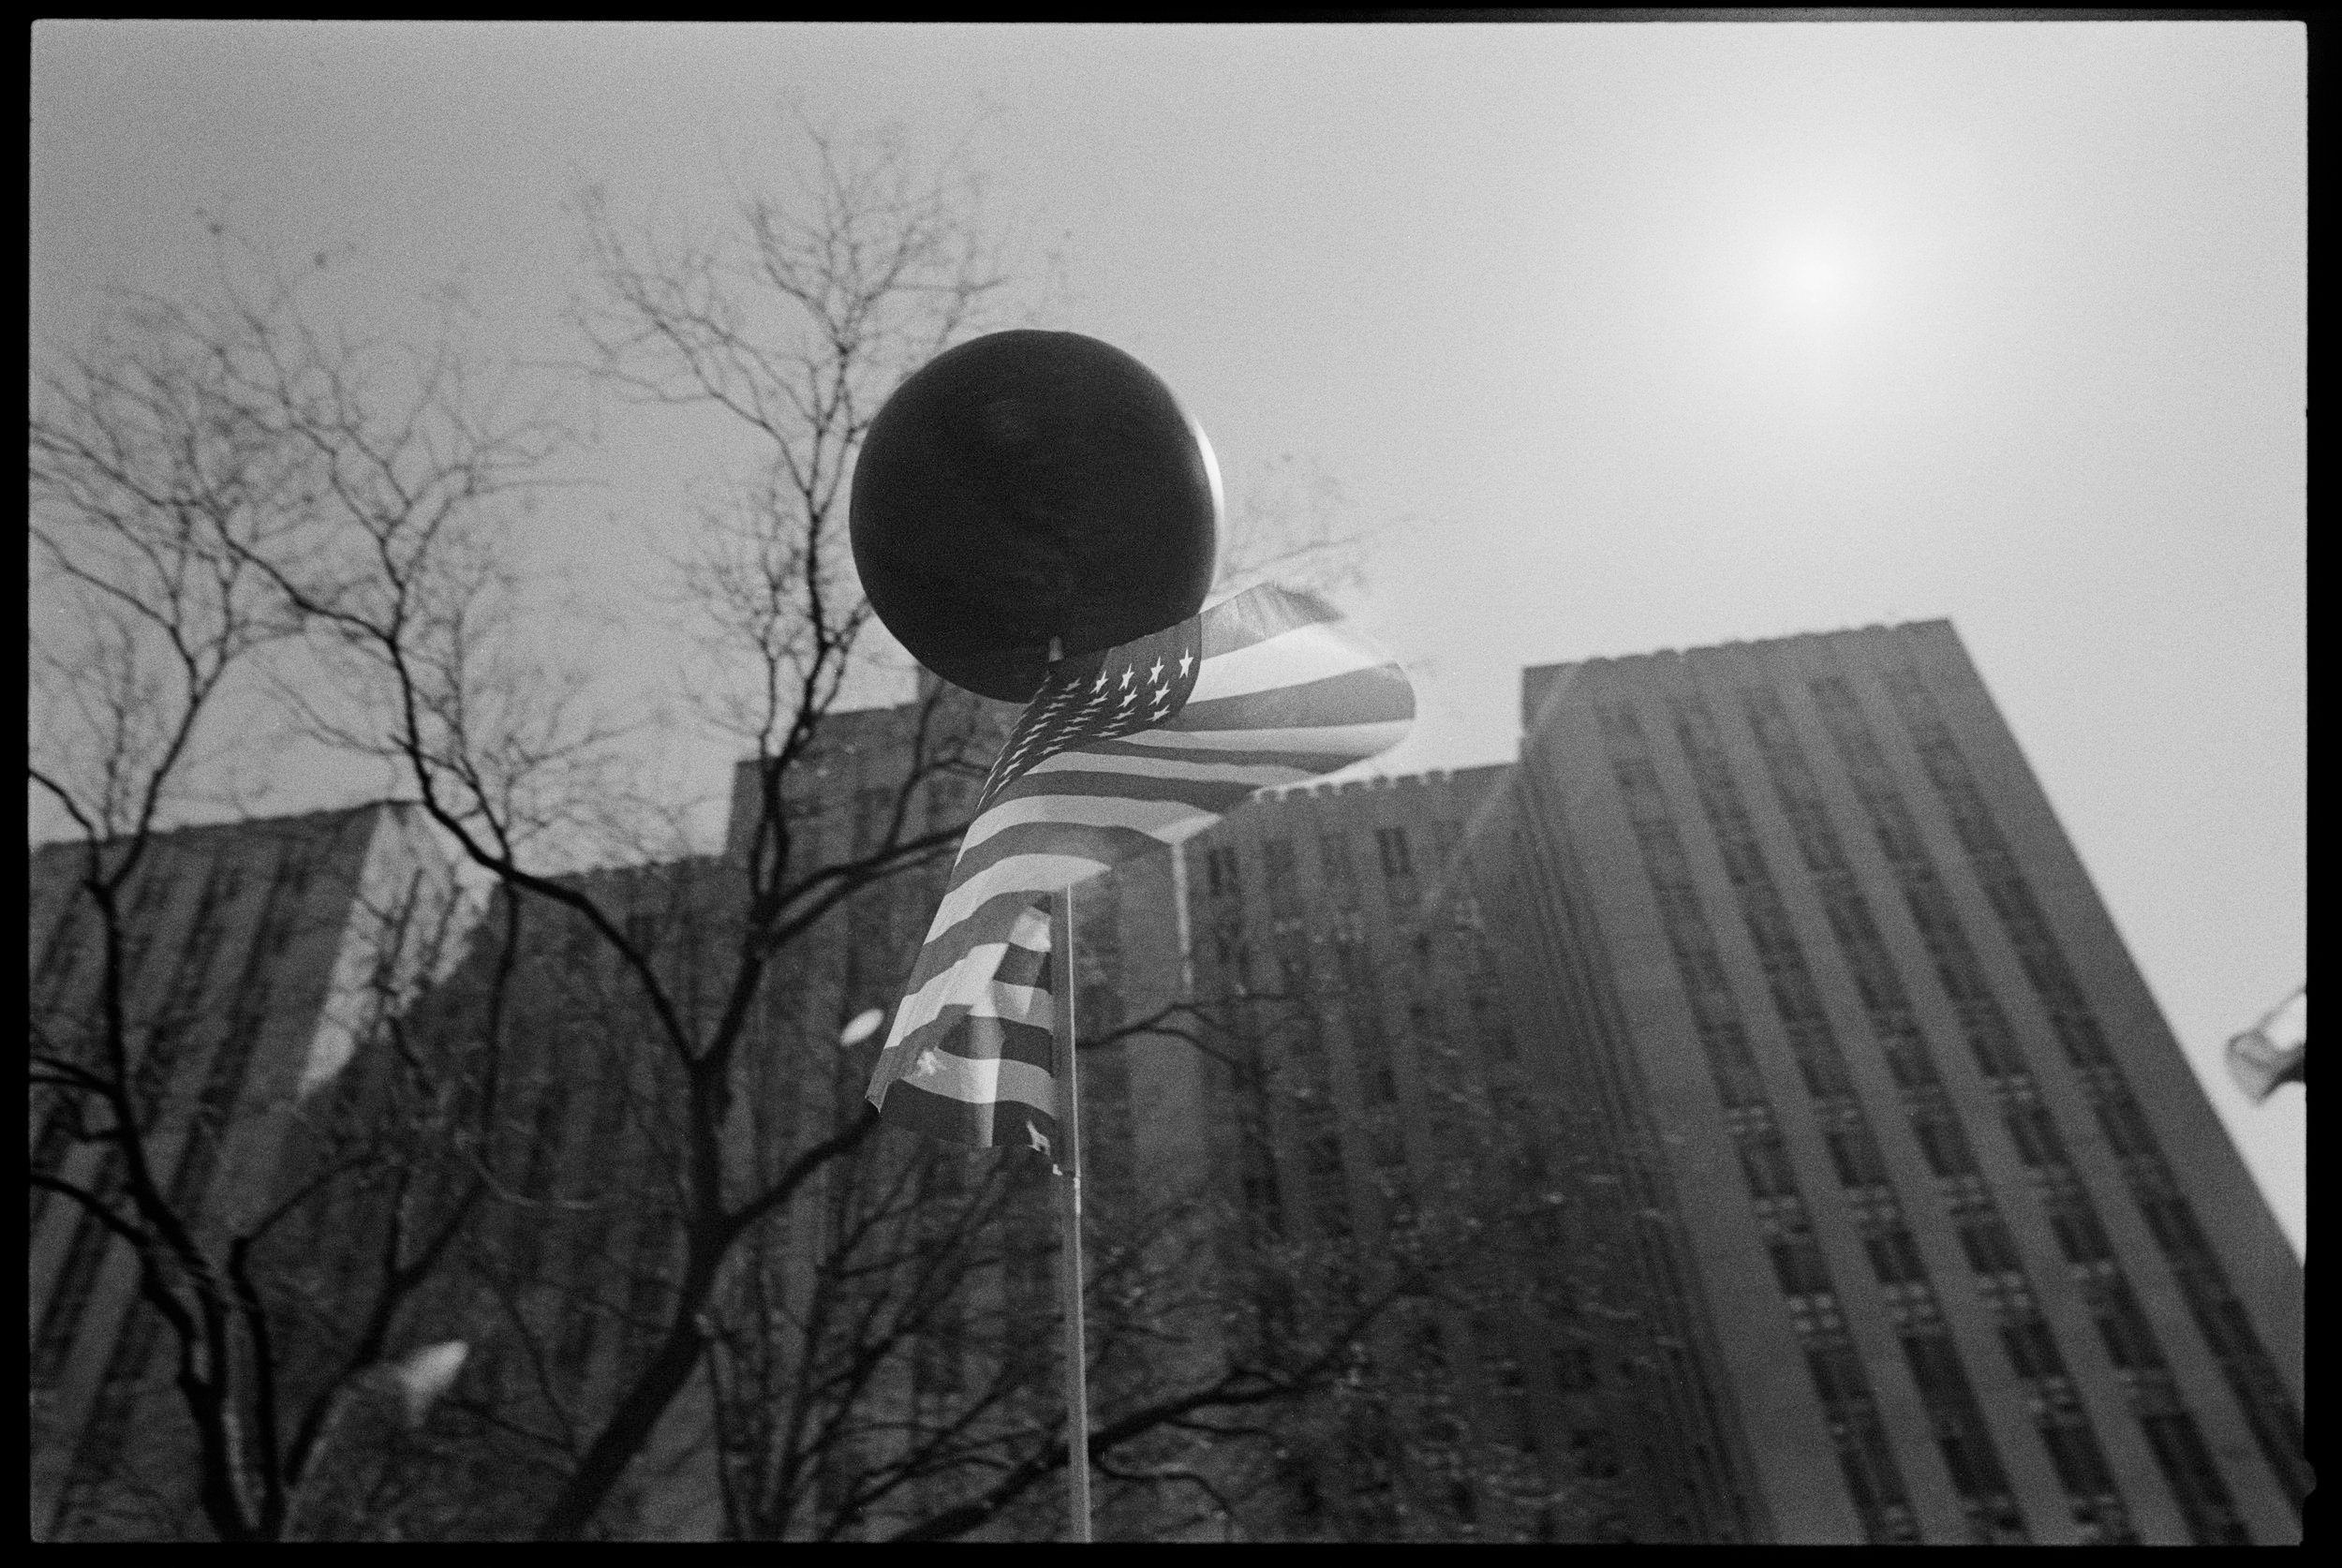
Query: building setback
<point>1994,1271</point>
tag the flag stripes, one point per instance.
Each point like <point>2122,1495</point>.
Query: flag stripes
<point>1364,697</point>
<point>1120,753</point>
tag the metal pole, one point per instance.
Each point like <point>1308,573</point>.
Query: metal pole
<point>1069,1207</point>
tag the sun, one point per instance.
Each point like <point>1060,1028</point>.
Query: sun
<point>1816,275</point>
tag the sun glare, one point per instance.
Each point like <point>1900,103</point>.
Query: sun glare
<point>1816,275</point>
<point>1821,270</point>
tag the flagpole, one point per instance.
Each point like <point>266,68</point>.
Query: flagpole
<point>1069,1207</point>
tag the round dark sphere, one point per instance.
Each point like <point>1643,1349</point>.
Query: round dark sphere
<point>1025,486</point>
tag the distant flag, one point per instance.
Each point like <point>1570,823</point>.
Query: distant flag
<point>2273,1051</point>
<point>1120,753</point>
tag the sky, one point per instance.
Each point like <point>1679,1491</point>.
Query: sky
<point>1614,338</point>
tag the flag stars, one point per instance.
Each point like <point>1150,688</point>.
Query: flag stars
<point>1156,674</point>
<point>1186,659</point>
<point>1130,672</point>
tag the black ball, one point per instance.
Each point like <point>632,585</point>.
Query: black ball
<point>1025,486</point>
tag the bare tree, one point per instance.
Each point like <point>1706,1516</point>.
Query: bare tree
<point>1291,522</point>
<point>797,336</point>
<point>361,494</point>
<point>154,485</point>
<point>879,1372</point>
<point>1428,1432</point>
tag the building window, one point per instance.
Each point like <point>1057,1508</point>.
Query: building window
<point>2201,1494</point>
<point>2075,1455</point>
<point>1870,1476</point>
<point>1896,1256</point>
<point>2126,1127</point>
<point>873,815</point>
<point>1220,870</point>
<point>2034,1133</point>
<point>64,951</point>
<point>1941,1141</point>
<point>1854,1154</point>
<point>1765,1159</point>
<point>1283,876</point>
<point>1731,1064</point>
<point>2078,1233</point>
<point>1798,1264</point>
<point>1392,845</point>
<point>2130,1342</point>
<point>1935,1368</point>
<point>1989,1246</point>
<point>1837,1374</point>
<point>1262,1200</point>
<point>69,1299</point>
<point>1234,960</point>
<point>2032,1351</point>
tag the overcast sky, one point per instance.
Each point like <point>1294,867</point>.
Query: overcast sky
<point>1625,337</point>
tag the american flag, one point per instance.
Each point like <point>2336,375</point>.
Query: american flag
<point>1120,752</point>
<point>2274,1051</point>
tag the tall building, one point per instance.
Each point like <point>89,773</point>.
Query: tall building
<point>257,957</point>
<point>1747,1092</point>
<point>1414,1112</point>
<point>1964,1247</point>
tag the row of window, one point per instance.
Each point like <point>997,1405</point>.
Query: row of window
<point>86,1252</point>
<point>1985,1238</point>
<point>1281,871</point>
<point>1944,1388</point>
<point>1874,1481</point>
<point>1990,1037</point>
<point>2248,1369</point>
